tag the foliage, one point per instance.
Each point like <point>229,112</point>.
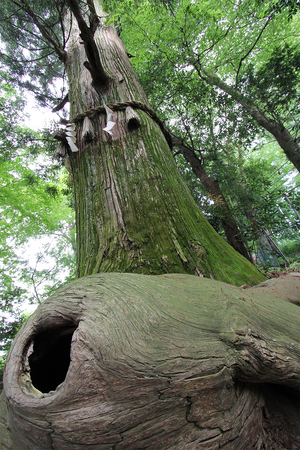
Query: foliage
<point>11,317</point>
<point>229,47</point>
<point>213,32</point>
<point>31,210</point>
<point>291,248</point>
<point>279,6</point>
<point>8,331</point>
<point>275,85</point>
<point>33,64</point>
<point>34,209</point>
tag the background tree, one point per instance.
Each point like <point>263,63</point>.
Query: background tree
<point>256,184</point>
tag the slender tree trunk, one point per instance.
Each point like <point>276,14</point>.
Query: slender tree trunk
<point>133,211</point>
<point>281,134</point>
<point>232,232</point>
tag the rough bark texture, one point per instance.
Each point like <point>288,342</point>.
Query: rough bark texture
<point>133,211</point>
<point>155,362</point>
<point>286,141</point>
<point>212,186</point>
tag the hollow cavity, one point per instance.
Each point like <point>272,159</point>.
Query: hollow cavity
<point>50,359</point>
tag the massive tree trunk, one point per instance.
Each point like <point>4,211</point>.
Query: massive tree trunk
<point>133,211</point>
<point>232,232</point>
<point>286,141</point>
<point>126,361</point>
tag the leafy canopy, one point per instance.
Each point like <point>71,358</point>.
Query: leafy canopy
<point>35,61</point>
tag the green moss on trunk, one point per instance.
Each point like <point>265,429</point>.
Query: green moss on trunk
<point>133,211</point>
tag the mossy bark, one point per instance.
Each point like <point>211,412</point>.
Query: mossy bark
<point>156,362</point>
<point>133,211</point>
<point>232,233</point>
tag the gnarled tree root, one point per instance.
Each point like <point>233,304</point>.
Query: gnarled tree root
<point>124,361</point>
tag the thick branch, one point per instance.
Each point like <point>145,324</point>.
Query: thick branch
<point>276,128</point>
<point>93,64</point>
<point>62,103</point>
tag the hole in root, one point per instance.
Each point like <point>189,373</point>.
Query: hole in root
<point>286,393</point>
<point>50,359</point>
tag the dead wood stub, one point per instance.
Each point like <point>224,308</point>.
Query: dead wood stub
<point>132,118</point>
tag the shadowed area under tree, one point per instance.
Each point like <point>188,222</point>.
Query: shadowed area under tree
<point>171,361</point>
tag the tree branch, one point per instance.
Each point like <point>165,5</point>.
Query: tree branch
<point>275,127</point>
<point>62,103</point>
<point>35,288</point>
<point>219,39</point>
<point>60,15</point>
<point>43,30</point>
<point>93,64</point>
<point>252,47</point>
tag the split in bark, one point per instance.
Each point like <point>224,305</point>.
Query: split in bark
<point>93,64</point>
